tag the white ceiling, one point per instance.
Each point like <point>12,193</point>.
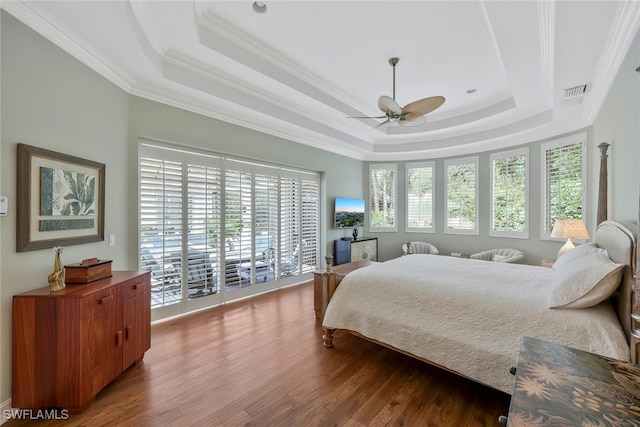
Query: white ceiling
<point>300,69</point>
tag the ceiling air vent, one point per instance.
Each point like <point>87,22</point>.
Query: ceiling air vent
<point>574,92</point>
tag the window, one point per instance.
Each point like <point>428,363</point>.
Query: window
<point>564,181</point>
<point>509,193</point>
<point>420,197</point>
<point>213,229</point>
<point>461,195</point>
<point>382,197</point>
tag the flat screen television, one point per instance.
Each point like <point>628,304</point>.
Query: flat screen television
<point>349,213</point>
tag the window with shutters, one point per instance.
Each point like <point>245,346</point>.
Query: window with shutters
<point>214,228</point>
<point>420,197</point>
<point>382,197</point>
<point>564,181</point>
<point>461,196</point>
<point>509,193</point>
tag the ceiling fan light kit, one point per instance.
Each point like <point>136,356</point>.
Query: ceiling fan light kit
<point>412,114</point>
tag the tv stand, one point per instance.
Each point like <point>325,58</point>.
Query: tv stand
<point>347,250</point>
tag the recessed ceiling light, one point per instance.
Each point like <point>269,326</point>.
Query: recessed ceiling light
<point>471,91</point>
<point>259,6</point>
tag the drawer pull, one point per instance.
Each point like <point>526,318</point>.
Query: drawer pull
<point>136,286</point>
<point>105,299</point>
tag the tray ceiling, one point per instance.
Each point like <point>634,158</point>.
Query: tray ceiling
<point>511,71</point>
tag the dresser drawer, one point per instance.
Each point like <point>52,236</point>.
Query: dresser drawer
<point>100,301</point>
<point>135,286</point>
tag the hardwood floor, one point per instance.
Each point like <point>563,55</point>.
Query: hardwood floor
<point>260,362</point>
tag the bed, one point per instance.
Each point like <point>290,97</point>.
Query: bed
<point>468,316</point>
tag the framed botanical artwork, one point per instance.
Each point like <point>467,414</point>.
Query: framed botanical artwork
<point>60,199</point>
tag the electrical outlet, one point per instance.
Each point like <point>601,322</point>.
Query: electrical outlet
<point>112,239</point>
<point>4,205</point>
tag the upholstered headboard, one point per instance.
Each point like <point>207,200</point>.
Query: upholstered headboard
<point>619,239</point>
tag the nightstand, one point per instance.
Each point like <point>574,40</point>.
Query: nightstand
<point>554,382</point>
<point>320,300</point>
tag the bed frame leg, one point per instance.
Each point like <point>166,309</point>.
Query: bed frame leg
<point>327,337</point>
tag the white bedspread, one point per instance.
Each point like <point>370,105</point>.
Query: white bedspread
<point>467,315</point>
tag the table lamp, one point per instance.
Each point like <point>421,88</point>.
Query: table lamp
<point>569,229</point>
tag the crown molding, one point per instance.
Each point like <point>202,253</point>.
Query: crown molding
<point>286,131</point>
<point>626,25</point>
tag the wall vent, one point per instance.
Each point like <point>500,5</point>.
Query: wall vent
<point>575,92</point>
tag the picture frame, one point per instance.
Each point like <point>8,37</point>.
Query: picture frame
<point>60,199</point>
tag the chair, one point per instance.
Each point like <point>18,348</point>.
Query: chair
<point>499,255</point>
<point>289,266</point>
<point>201,275</point>
<point>163,277</point>
<point>419,248</point>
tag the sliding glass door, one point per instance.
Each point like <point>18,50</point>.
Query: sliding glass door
<point>213,229</point>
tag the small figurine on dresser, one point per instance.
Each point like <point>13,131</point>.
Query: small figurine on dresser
<point>56,279</point>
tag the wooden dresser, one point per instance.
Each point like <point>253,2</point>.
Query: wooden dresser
<point>68,345</point>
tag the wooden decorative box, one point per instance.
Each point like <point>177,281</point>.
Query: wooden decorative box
<point>87,271</point>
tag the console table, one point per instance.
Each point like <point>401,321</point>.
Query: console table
<point>345,251</point>
<point>69,344</point>
<point>558,385</point>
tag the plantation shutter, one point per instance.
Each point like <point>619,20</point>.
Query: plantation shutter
<point>509,189</point>
<point>462,196</point>
<point>382,197</point>
<point>212,225</point>
<point>238,225</point>
<point>161,225</point>
<point>563,182</point>
<point>204,222</point>
<point>420,197</point>
<point>310,223</point>
<point>266,218</point>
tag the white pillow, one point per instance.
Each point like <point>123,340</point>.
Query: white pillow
<point>500,258</point>
<point>585,282</point>
<point>575,253</point>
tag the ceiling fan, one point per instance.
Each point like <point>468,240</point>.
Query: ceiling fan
<point>411,114</point>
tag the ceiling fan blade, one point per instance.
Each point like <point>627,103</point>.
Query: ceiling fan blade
<point>423,106</point>
<point>366,117</point>
<point>407,122</point>
<point>387,104</point>
<point>382,123</point>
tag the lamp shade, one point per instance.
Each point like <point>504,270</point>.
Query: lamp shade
<point>570,229</point>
